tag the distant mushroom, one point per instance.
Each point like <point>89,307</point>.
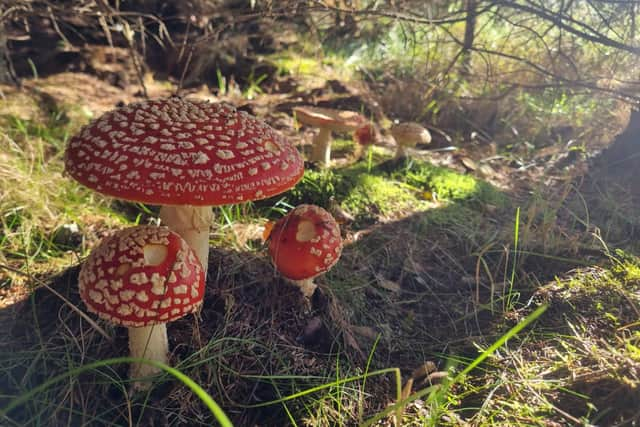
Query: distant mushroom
<point>186,156</point>
<point>305,243</point>
<point>366,135</point>
<point>408,135</point>
<point>142,278</point>
<point>328,120</point>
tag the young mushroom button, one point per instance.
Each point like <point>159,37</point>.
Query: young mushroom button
<point>186,156</point>
<point>305,243</point>
<point>142,278</point>
<point>408,135</point>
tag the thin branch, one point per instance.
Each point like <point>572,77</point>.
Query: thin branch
<point>562,21</point>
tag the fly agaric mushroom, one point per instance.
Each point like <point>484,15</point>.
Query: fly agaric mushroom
<point>328,120</point>
<point>186,156</point>
<point>408,135</point>
<point>366,135</point>
<point>142,278</point>
<point>305,243</point>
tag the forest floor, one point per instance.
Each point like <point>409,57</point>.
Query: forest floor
<point>444,254</point>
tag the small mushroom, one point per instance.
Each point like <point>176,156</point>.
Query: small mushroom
<point>328,120</point>
<point>186,156</point>
<point>366,134</point>
<point>305,243</point>
<point>408,135</point>
<point>142,278</point>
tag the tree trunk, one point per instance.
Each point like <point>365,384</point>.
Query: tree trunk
<point>622,158</point>
<point>469,36</point>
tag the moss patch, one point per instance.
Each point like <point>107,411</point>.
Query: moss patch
<point>373,192</point>
<point>448,184</point>
<point>369,195</point>
<point>581,358</point>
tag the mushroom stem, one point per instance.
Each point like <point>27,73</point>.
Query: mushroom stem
<point>148,342</point>
<point>307,287</point>
<point>192,223</point>
<point>322,147</point>
<point>401,152</point>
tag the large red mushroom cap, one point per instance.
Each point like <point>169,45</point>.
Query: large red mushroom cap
<point>175,152</point>
<point>142,276</point>
<point>305,243</point>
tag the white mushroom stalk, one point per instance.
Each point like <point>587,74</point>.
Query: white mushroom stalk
<point>321,151</point>
<point>192,223</point>
<point>327,120</point>
<point>307,287</point>
<point>148,342</point>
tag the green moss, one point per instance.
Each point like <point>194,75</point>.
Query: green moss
<point>371,194</point>
<point>316,187</point>
<point>622,275</point>
<point>289,63</point>
<point>368,194</point>
<point>627,268</point>
<point>342,147</point>
<point>448,184</point>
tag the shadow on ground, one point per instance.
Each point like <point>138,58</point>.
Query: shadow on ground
<point>412,283</point>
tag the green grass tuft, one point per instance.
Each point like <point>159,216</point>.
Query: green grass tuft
<point>37,199</point>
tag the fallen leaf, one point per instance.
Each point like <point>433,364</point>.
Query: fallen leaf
<point>268,227</point>
<point>423,370</point>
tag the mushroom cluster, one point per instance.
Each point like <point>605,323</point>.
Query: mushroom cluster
<point>142,278</point>
<point>304,244</point>
<point>186,156</point>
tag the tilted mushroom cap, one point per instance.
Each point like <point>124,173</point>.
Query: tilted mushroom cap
<point>142,276</point>
<point>410,134</point>
<point>337,120</point>
<point>305,243</point>
<point>176,151</point>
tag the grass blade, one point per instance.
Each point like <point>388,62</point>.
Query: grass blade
<point>216,411</point>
